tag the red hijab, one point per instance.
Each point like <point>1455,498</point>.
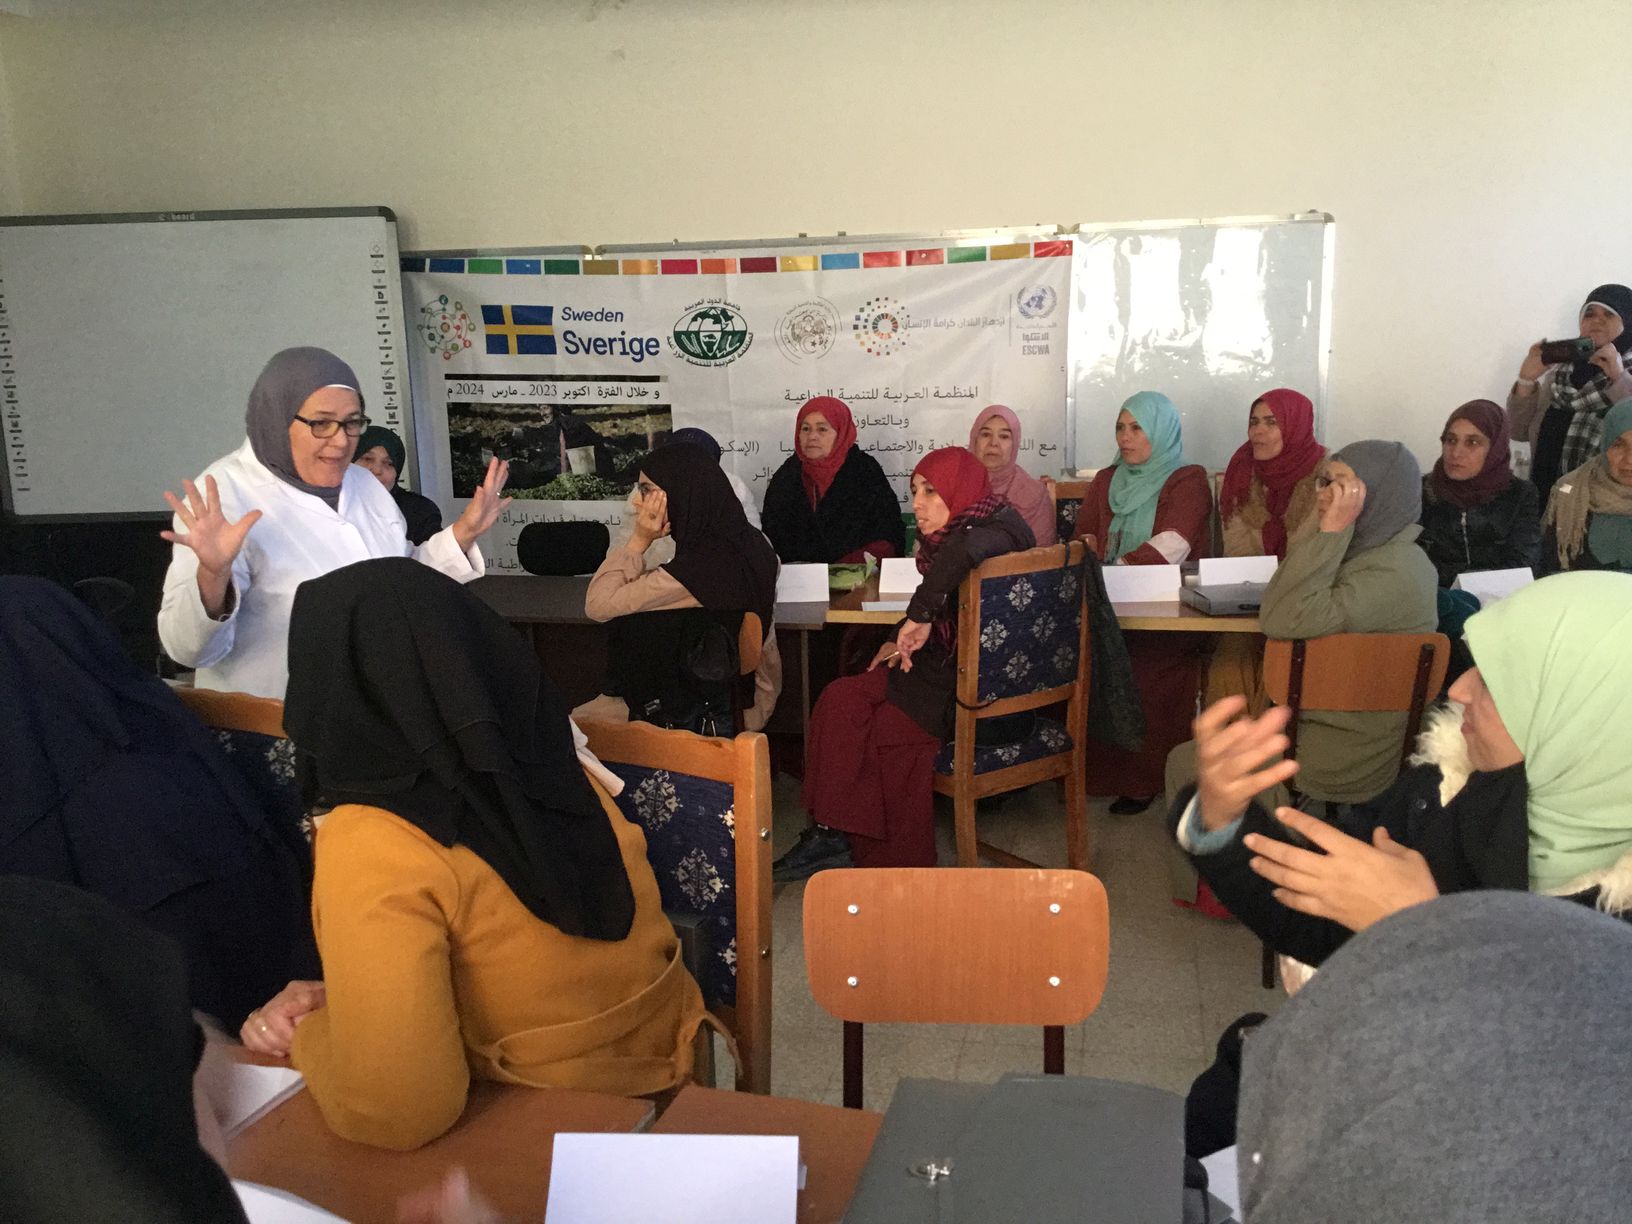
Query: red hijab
<point>964,486</point>
<point>1497,473</point>
<point>1300,454</point>
<point>818,474</point>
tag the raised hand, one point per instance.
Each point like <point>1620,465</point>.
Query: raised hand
<point>486,504</point>
<point>1238,758</point>
<point>651,520</point>
<point>1346,880</point>
<point>1608,359</point>
<point>1348,499</point>
<point>1534,367</point>
<point>215,541</point>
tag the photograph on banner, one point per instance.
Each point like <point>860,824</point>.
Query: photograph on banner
<point>575,378</point>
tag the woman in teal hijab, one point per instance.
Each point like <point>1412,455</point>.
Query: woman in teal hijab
<point>1148,508</point>
<point>1589,515</point>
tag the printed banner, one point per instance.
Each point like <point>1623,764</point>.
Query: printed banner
<point>573,370</point>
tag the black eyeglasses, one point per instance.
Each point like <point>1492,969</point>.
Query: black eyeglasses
<point>326,427</point>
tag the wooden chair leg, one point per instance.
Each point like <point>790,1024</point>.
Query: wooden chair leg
<point>1076,825</point>
<point>1054,1049</point>
<point>963,824</point>
<point>852,1065</point>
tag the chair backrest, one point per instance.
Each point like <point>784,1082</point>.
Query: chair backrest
<point>562,549</point>
<point>1022,631</point>
<point>250,731</point>
<point>705,806</point>
<point>1068,495</point>
<point>1358,673</point>
<point>973,945</point>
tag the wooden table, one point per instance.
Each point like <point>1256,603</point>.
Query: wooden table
<point>503,1140</point>
<point>833,1142</point>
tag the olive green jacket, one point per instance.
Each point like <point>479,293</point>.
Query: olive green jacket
<point>1349,758</point>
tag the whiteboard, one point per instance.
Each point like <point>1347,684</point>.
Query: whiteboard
<point>1210,313</point>
<point>129,343</point>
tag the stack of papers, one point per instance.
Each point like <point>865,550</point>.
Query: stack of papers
<point>241,1094</point>
<point>679,1179</point>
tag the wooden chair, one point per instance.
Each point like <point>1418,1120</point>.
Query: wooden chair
<point>750,648</point>
<point>1068,495</point>
<point>234,711</point>
<point>1375,673</point>
<point>919,945</point>
<point>250,731</point>
<point>705,806</point>
<point>1022,646</point>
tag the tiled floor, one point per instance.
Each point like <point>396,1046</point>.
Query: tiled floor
<point>1176,978</point>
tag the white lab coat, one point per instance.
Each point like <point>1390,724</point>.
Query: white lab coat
<point>298,537</point>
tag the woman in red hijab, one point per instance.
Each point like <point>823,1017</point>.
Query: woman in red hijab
<point>1475,515</point>
<point>830,502</point>
<point>874,736</point>
<point>1268,499</point>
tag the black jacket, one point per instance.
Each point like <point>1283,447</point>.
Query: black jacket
<point>859,507</point>
<point>421,515</point>
<point>925,694</point>
<point>1504,533</point>
<point>1480,838</point>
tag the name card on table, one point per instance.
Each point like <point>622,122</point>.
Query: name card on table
<point>898,576</point>
<point>1487,586</point>
<point>265,1205</point>
<point>680,1179</point>
<point>1229,571</point>
<point>1142,583</point>
<point>802,584</point>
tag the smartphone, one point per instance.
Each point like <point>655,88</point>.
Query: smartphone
<point>1554,352</point>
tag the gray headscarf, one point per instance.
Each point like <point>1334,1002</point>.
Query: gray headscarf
<point>282,388</point>
<point>1463,1059</point>
<point>1393,491</point>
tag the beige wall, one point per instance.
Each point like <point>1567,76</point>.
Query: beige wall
<point>1470,149</point>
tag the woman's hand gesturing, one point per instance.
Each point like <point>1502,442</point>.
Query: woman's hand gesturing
<point>215,541</point>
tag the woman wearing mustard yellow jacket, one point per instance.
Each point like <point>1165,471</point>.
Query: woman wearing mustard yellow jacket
<point>481,907</point>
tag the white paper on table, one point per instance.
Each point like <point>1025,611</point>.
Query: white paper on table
<point>1487,586</point>
<point>1223,1180</point>
<point>885,605</point>
<point>1226,571</point>
<point>265,1205</point>
<point>679,1179</point>
<point>898,576</point>
<point>802,584</point>
<point>240,1093</point>
<point>1142,583</point>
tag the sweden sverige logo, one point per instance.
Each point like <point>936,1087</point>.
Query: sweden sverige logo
<point>519,331</point>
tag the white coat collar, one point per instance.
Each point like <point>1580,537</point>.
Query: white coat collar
<point>353,486</point>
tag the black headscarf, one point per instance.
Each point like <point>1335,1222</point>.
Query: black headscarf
<point>719,557</point>
<point>275,400</point>
<point>1463,1059</point>
<point>692,436</point>
<point>410,694</point>
<point>79,720</point>
<point>1619,299</point>
<point>379,435</point>
<point>97,1054</point>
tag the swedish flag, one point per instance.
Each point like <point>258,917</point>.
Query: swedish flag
<point>520,330</point>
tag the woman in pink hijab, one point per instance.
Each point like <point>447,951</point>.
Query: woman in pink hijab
<point>994,439</point>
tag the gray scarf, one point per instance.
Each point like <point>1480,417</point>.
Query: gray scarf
<point>282,388</point>
<point>1393,491</point>
<point>1464,1059</point>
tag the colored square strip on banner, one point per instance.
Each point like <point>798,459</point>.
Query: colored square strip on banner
<point>1010,250</point>
<point>1052,249</point>
<point>841,261</point>
<point>924,258</point>
<point>757,263</point>
<point>600,267</point>
<point>515,331</point>
<point>679,267</point>
<point>718,267</point>
<point>883,259</point>
<point>523,267</point>
<point>447,265</point>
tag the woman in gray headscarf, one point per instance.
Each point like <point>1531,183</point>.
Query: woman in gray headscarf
<point>1362,572</point>
<point>1463,1059</point>
<point>286,506</point>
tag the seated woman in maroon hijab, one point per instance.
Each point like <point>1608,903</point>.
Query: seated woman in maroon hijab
<point>830,502</point>
<point>873,737</point>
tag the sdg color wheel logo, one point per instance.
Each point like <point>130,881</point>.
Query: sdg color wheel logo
<point>880,326</point>
<point>711,332</point>
<point>807,332</point>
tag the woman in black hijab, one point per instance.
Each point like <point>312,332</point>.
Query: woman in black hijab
<point>97,1056</point>
<point>480,904</point>
<point>665,619</point>
<point>112,785</point>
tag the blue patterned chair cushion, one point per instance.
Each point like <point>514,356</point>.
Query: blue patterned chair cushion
<point>690,825</point>
<point>1048,738</point>
<point>1029,627</point>
<point>267,764</point>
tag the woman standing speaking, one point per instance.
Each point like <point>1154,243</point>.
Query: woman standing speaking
<point>286,506</point>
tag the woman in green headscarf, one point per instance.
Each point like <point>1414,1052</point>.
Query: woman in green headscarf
<point>1515,785</point>
<point>1589,515</point>
<point>1148,508</point>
